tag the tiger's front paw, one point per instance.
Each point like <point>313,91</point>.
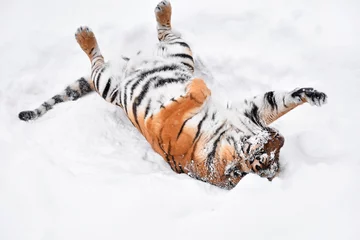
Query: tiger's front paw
<point>86,39</point>
<point>163,13</point>
<point>309,95</point>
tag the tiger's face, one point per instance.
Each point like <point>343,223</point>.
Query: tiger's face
<point>265,161</point>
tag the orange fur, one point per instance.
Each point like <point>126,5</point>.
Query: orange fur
<point>161,130</point>
<point>269,117</point>
<point>87,41</point>
<point>163,17</point>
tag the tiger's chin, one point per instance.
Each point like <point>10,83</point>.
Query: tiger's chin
<point>274,176</point>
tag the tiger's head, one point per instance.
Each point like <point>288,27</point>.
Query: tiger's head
<point>264,161</point>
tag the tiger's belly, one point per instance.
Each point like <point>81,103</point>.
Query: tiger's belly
<point>166,129</point>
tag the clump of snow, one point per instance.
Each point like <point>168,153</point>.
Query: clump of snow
<point>84,172</point>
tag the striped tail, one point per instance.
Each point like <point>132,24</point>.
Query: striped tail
<point>72,92</point>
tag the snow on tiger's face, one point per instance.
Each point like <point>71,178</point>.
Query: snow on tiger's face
<point>264,160</point>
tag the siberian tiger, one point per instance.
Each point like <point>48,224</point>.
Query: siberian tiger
<point>174,111</point>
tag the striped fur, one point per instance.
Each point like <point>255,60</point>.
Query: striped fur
<point>174,111</point>
<point>72,92</point>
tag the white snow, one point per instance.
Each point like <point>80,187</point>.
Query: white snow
<point>82,171</point>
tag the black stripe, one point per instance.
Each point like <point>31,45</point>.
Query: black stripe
<point>114,94</point>
<point>96,62</point>
<point>120,100</point>
<point>182,55</point>
<point>98,78</point>
<point>107,87</point>
<point>91,51</point>
<point>247,127</point>
<point>248,148</point>
<point>182,127</point>
<point>188,65</point>
<point>125,58</point>
<point>183,44</point>
<point>213,116</point>
<point>72,94</point>
<point>57,99</point>
<point>94,70</point>
<point>46,106</point>
<point>300,91</point>
<point>270,97</point>
<point>284,102</point>
<point>199,127</point>
<point>181,169</point>
<point>253,115</point>
<point>145,89</point>
<point>166,34</point>
<point>162,82</point>
<point>230,185</point>
<point>219,128</point>
<point>235,145</point>
<point>168,160</point>
<point>144,74</point>
<point>147,108</point>
<point>195,146</point>
<point>140,98</point>
<point>173,159</point>
<point>125,101</point>
<point>211,155</point>
<point>84,86</point>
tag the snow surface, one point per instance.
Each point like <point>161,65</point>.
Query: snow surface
<point>83,172</point>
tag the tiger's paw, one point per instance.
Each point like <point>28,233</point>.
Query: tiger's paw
<point>87,41</point>
<point>309,95</point>
<point>27,115</point>
<point>163,13</point>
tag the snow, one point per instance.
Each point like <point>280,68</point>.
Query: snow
<point>82,171</point>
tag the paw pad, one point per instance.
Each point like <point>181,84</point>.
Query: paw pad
<point>84,32</point>
<point>162,6</point>
<point>86,39</point>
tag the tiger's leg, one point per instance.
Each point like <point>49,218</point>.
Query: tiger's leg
<point>104,82</point>
<point>265,109</point>
<point>171,45</point>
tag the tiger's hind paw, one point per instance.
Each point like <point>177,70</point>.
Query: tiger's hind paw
<point>309,95</point>
<point>87,41</point>
<point>27,115</point>
<point>163,13</point>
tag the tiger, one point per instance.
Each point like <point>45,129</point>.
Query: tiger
<point>174,111</point>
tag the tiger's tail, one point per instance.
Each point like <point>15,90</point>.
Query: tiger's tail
<point>72,92</point>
